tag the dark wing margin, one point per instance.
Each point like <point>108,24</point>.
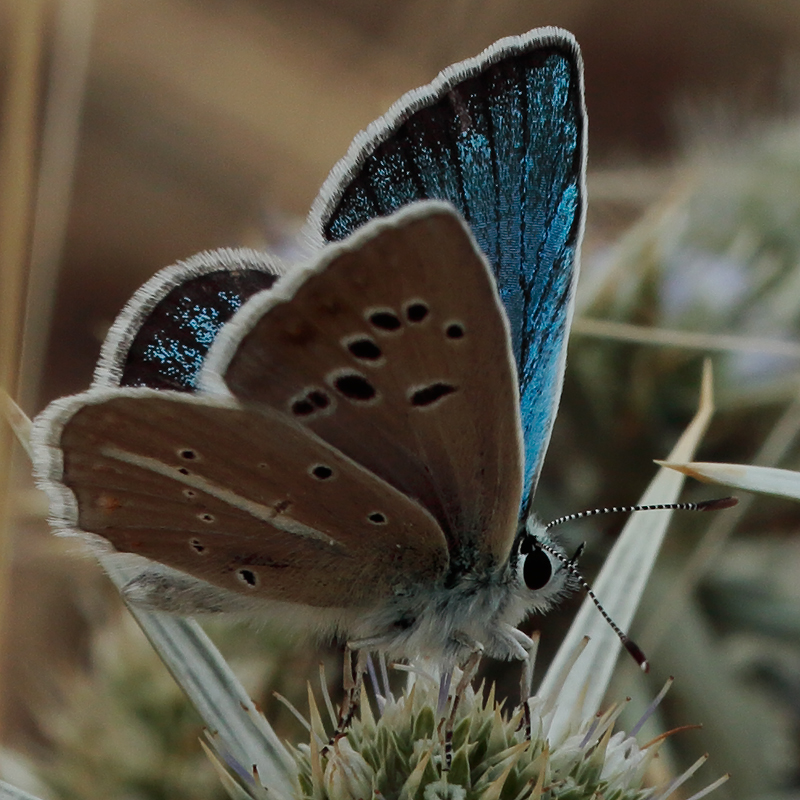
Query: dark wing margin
<point>503,138</point>
<point>161,337</point>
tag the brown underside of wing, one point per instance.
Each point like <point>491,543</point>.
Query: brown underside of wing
<point>245,500</point>
<point>397,354</point>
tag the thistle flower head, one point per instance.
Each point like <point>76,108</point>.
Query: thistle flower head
<point>472,750</point>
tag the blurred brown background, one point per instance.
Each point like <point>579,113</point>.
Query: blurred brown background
<point>165,127</point>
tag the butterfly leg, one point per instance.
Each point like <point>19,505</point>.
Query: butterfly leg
<point>351,682</point>
<point>517,644</point>
<point>444,692</point>
<point>525,684</point>
<point>447,724</point>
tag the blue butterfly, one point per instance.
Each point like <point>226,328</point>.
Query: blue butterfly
<point>353,444</point>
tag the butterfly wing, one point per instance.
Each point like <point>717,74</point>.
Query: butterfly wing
<point>394,349</point>
<point>502,137</point>
<point>245,500</point>
<point>161,337</point>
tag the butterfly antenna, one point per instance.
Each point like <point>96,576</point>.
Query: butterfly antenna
<point>628,643</point>
<point>570,563</point>
<point>704,505</point>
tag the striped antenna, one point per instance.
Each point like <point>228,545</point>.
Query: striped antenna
<point>570,563</point>
<point>705,505</point>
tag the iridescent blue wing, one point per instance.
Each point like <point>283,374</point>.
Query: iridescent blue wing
<point>502,137</point>
<point>161,337</point>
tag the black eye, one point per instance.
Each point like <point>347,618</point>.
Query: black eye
<point>537,569</point>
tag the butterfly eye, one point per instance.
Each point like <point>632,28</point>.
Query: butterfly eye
<point>536,569</point>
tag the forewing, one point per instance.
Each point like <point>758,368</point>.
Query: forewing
<point>393,348</point>
<point>161,337</point>
<point>247,501</point>
<point>502,137</point>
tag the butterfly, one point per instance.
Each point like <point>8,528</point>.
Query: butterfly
<point>352,444</point>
